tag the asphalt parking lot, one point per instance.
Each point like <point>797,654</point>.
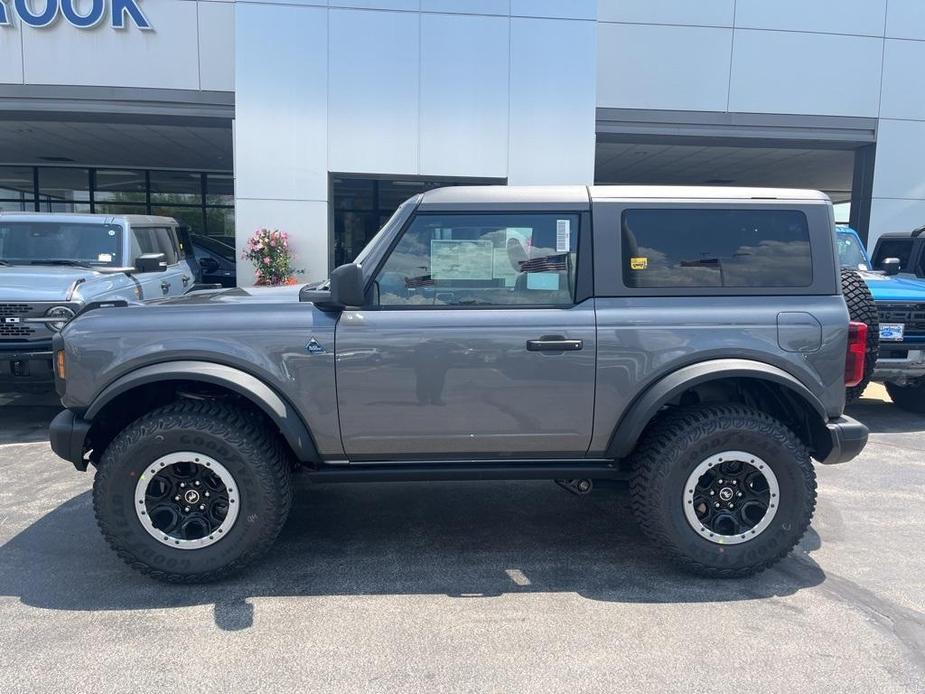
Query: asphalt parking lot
<point>502,587</point>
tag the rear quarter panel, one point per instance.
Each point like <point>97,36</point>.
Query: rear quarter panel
<point>641,340</point>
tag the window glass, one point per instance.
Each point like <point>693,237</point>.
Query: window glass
<point>689,248</point>
<point>188,216</point>
<point>482,260</point>
<point>850,253</point>
<point>119,186</point>
<point>16,185</point>
<point>157,240</point>
<point>64,190</point>
<point>220,189</point>
<point>33,242</point>
<point>176,188</point>
<point>894,248</point>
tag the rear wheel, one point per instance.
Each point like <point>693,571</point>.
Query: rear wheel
<point>861,308</point>
<point>909,397</point>
<point>725,490</point>
<point>193,491</point>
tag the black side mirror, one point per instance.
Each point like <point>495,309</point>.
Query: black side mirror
<point>209,264</point>
<point>347,288</point>
<point>151,262</point>
<point>890,266</point>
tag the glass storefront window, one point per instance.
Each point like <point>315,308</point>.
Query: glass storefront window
<point>190,216</point>
<point>117,208</point>
<point>64,189</point>
<point>220,189</point>
<point>176,188</point>
<point>17,188</point>
<point>123,186</point>
<point>204,202</point>
<point>220,223</point>
<point>360,206</point>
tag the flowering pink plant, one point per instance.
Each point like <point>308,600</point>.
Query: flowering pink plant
<point>272,259</point>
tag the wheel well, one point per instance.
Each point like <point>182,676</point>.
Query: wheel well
<point>126,407</point>
<point>783,403</point>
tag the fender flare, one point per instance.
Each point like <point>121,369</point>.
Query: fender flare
<point>628,430</point>
<point>251,388</point>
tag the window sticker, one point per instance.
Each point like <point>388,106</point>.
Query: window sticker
<point>461,260</point>
<point>548,281</point>
<point>104,258</point>
<point>563,235</point>
<point>639,263</point>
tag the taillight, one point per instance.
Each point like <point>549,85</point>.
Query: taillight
<point>857,350</point>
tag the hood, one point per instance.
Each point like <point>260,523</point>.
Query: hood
<point>238,295</point>
<point>29,283</point>
<point>895,288</point>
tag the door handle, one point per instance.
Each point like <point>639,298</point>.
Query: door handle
<point>165,286</point>
<point>554,343</point>
<point>185,280</point>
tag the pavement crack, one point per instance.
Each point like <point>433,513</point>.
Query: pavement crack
<point>906,625</point>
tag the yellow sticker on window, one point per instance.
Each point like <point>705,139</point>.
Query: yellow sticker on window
<point>639,263</point>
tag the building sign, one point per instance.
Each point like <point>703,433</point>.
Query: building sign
<point>83,14</point>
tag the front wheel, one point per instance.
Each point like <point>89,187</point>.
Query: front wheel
<point>193,491</point>
<point>725,490</point>
<point>910,397</point>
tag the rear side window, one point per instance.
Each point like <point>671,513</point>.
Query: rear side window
<point>697,248</point>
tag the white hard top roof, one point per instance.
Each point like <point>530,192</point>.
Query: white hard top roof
<point>581,194</point>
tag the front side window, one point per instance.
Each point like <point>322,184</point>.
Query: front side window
<point>894,248</point>
<point>482,260</point>
<point>701,248</point>
<point>35,243</point>
<point>157,240</point>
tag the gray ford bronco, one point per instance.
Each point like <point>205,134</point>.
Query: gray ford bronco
<point>692,341</point>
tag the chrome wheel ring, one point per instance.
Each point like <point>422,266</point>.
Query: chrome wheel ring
<point>731,497</point>
<point>186,500</point>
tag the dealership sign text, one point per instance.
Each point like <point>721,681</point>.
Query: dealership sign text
<point>83,14</point>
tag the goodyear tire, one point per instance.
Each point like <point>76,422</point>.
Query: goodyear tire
<point>193,491</point>
<point>725,490</point>
<point>861,308</point>
<point>909,397</point>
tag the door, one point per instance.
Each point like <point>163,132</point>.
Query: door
<point>474,345</point>
<point>177,277</point>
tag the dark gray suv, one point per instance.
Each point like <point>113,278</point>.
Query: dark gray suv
<point>693,341</point>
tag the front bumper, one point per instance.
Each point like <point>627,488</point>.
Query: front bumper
<point>26,371</point>
<point>68,434</point>
<point>848,436</point>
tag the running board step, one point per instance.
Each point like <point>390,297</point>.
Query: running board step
<point>475,470</point>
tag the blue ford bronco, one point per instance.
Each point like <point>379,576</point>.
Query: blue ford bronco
<point>694,342</point>
<point>52,266</point>
<point>897,316</point>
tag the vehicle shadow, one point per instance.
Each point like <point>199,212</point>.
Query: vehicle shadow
<point>463,540</point>
<point>883,417</point>
<point>25,418</point>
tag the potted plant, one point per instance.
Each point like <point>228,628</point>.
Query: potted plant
<point>272,259</point>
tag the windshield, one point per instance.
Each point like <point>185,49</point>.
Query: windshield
<point>60,243</point>
<point>850,252</point>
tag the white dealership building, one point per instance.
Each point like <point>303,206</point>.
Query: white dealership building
<point>319,116</point>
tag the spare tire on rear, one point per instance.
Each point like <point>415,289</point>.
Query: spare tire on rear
<point>861,308</point>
